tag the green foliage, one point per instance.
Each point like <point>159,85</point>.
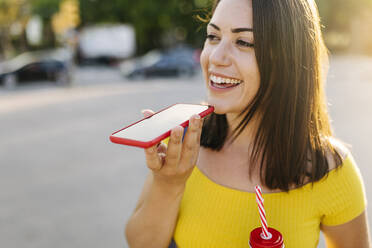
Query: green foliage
<point>338,18</point>
<point>339,14</point>
<point>158,22</point>
<point>45,8</point>
<point>152,20</point>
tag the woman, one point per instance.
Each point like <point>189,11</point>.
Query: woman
<point>262,63</point>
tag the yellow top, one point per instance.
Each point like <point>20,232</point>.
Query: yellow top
<point>213,216</point>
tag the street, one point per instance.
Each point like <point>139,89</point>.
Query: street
<point>64,184</point>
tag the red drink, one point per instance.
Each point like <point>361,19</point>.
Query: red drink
<point>257,240</point>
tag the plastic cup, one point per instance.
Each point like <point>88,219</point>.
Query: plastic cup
<point>256,239</point>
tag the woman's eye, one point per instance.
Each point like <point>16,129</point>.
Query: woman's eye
<point>212,37</point>
<point>244,43</point>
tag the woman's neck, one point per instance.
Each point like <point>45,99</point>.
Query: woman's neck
<point>244,141</point>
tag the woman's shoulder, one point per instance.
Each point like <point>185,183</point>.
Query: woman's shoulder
<point>340,148</point>
<point>340,194</point>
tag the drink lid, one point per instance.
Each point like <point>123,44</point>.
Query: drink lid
<point>257,241</point>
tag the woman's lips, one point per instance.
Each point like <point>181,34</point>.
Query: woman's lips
<point>221,87</point>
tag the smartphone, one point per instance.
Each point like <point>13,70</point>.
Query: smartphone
<point>152,130</point>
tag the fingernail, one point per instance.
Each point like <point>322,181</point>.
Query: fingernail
<point>196,119</point>
<point>177,132</point>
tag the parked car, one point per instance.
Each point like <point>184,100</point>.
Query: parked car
<point>181,61</point>
<point>54,65</point>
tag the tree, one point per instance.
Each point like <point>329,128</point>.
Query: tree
<point>338,17</point>
<point>12,12</point>
<point>46,9</point>
<point>156,22</point>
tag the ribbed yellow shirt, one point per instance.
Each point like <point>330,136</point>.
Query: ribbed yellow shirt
<point>214,216</point>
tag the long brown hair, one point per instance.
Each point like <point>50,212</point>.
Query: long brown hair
<point>294,126</point>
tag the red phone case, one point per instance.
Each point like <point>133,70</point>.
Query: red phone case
<point>147,144</point>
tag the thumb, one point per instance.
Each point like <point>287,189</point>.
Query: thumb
<point>147,112</point>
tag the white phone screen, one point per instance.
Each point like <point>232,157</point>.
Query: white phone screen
<point>159,123</point>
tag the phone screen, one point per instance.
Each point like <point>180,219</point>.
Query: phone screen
<point>160,123</point>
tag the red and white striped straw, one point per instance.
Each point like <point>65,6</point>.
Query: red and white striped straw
<point>265,232</point>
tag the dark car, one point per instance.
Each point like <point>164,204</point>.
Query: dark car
<point>181,61</point>
<point>54,65</point>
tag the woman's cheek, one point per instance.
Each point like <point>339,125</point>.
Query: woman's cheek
<point>204,61</point>
<point>204,57</point>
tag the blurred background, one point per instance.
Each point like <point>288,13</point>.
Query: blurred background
<point>74,71</point>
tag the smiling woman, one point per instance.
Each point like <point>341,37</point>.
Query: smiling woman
<point>262,65</point>
<point>280,85</point>
<point>228,56</point>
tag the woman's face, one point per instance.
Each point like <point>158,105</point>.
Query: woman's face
<point>228,60</point>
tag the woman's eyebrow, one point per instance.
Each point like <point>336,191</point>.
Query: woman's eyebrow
<point>233,30</point>
<point>238,30</point>
<point>214,25</point>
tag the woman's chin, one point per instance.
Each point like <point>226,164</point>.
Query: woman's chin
<point>219,111</point>
<point>219,108</point>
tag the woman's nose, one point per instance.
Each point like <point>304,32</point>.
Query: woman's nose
<point>220,55</point>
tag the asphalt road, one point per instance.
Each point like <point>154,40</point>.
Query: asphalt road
<point>63,184</point>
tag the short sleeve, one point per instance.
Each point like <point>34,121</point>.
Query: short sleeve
<point>341,194</point>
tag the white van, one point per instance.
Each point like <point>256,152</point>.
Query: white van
<point>116,42</point>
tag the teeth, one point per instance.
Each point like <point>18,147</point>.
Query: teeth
<point>221,80</point>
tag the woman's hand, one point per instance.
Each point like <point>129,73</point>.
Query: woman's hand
<point>172,165</point>
<point>154,219</point>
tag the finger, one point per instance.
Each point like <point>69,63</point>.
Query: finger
<point>147,112</point>
<point>162,148</point>
<point>174,148</point>
<point>162,157</point>
<point>200,128</point>
<point>153,160</point>
<point>191,142</point>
